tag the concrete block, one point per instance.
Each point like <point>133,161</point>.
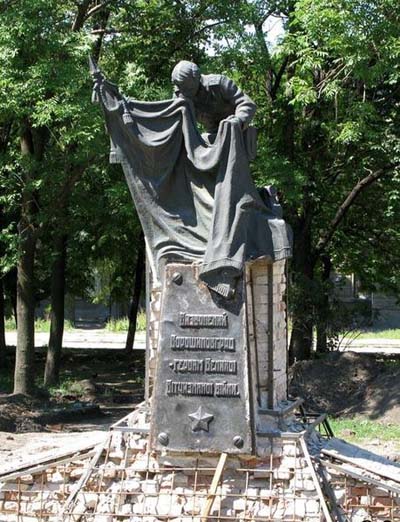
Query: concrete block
<point>312,507</point>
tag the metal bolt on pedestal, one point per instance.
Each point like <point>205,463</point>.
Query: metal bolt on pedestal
<point>163,438</point>
<point>177,278</point>
<point>238,441</point>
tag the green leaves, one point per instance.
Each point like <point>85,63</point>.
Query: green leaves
<point>302,93</point>
<point>349,132</point>
<point>328,106</point>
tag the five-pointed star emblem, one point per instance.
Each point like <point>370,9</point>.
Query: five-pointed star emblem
<point>200,419</point>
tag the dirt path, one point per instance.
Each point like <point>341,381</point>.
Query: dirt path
<point>102,389</point>
<point>86,338</point>
<point>98,388</point>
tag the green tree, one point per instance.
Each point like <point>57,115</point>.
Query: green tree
<point>57,144</point>
<point>327,98</point>
<point>345,90</point>
<point>42,86</point>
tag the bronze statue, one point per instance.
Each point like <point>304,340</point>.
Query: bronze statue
<point>215,97</point>
<point>193,193</point>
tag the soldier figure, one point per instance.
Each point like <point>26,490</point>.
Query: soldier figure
<point>215,97</point>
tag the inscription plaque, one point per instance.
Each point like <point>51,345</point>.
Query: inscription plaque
<point>201,392</point>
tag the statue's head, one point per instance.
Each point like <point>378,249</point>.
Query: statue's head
<point>186,77</point>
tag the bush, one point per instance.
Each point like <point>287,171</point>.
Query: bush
<point>41,325</point>
<point>122,324</point>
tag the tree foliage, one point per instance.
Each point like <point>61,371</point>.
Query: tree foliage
<point>327,90</point>
<point>328,98</point>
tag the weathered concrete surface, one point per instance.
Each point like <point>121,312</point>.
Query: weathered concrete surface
<point>19,448</point>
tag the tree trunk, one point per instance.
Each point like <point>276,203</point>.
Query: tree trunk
<point>133,310</point>
<point>323,309</point>
<point>2,302</point>
<point>53,359</point>
<point>302,305</point>
<point>25,352</point>
<point>2,326</point>
<point>322,336</point>
<point>300,340</point>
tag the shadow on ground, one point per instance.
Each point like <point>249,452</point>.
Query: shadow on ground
<point>97,388</point>
<point>349,384</point>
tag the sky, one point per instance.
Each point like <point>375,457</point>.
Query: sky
<point>273,30</point>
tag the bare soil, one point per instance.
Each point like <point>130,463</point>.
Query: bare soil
<point>99,387</point>
<point>110,385</point>
<point>349,384</point>
<point>104,386</point>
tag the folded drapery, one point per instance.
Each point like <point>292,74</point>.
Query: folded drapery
<point>196,200</point>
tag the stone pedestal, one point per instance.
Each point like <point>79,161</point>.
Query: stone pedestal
<point>201,397</point>
<point>256,324</point>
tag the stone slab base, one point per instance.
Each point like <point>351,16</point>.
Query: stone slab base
<point>123,481</point>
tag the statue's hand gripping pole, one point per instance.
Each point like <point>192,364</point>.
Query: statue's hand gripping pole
<point>98,78</point>
<point>104,91</point>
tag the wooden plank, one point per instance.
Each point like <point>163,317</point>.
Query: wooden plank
<point>213,488</point>
<point>346,452</point>
<point>336,509</point>
<point>289,435</point>
<point>319,420</point>
<point>43,467</point>
<point>85,477</point>
<point>137,431</point>
<point>306,453</point>
<point>282,411</point>
<point>352,472</point>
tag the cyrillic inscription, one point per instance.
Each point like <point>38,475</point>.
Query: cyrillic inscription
<point>187,365</point>
<point>222,344</point>
<point>201,395</point>
<point>203,366</point>
<point>215,366</point>
<point>203,320</point>
<point>190,388</point>
<point>224,389</point>
<point>205,389</point>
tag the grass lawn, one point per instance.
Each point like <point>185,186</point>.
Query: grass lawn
<point>393,333</point>
<point>121,325</point>
<point>359,430</point>
<point>41,325</point>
